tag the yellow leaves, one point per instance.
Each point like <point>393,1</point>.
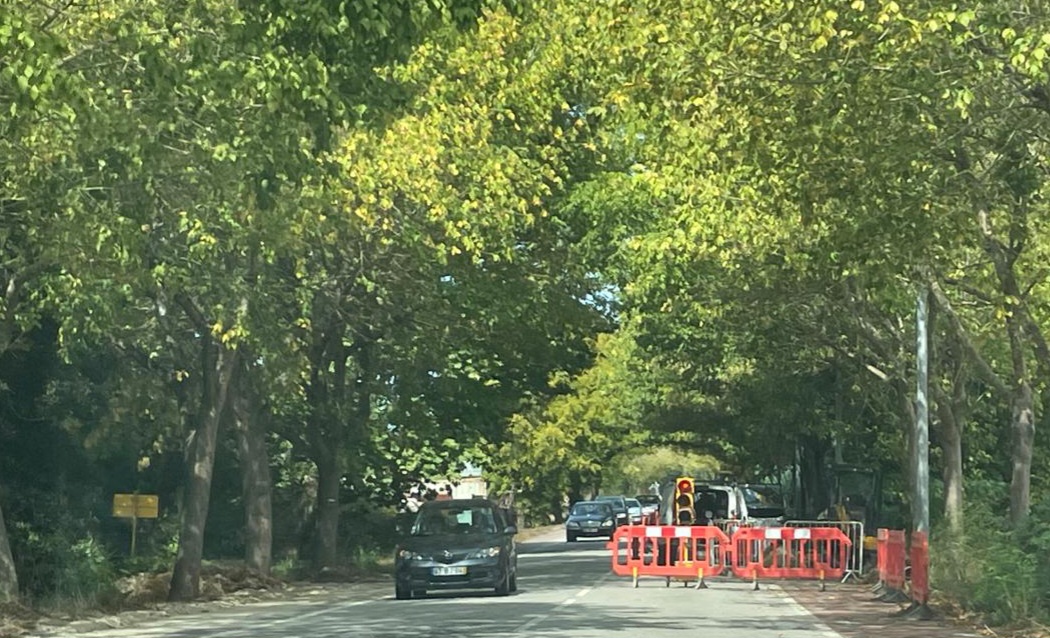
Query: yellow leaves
<point>857,5</point>
<point>889,11</point>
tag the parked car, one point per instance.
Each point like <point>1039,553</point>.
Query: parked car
<point>619,505</point>
<point>634,511</point>
<point>590,518</point>
<point>457,544</point>
<point>719,503</point>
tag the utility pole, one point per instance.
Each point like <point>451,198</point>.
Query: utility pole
<point>920,507</point>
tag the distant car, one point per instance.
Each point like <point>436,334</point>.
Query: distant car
<point>763,507</point>
<point>590,518</point>
<point>457,544</point>
<point>650,503</point>
<point>634,511</point>
<point>619,505</point>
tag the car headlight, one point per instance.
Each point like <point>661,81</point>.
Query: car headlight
<point>488,552</point>
<point>607,523</point>
<point>407,554</point>
<point>573,524</point>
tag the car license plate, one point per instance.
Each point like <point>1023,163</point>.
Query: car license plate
<point>449,571</point>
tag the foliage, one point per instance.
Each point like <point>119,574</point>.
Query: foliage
<point>63,561</point>
<point>584,246</point>
<point>635,471</point>
<point>999,572</point>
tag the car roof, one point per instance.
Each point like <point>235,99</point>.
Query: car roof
<point>593,503</point>
<point>459,503</point>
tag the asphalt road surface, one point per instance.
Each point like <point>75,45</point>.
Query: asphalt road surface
<point>564,590</point>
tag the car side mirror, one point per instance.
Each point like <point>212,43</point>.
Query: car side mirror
<point>510,530</point>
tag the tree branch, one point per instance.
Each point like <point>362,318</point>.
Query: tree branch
<point>986,371</point>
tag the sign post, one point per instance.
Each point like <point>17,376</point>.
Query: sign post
<point>135,506</point>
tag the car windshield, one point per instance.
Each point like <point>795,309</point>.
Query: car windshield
<point>454,520</point>
<point>633,505</point>
<point>712,504</point>
<point>591,509</point>
<point>648,499</point>
<point>617,502</point>
<point>754,498</point>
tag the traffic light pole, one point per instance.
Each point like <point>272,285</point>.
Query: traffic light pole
<point>920,507</point>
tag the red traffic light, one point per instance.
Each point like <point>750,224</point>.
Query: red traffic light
<point>685,485</point>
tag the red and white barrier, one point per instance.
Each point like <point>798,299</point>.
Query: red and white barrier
<point>668,551</point>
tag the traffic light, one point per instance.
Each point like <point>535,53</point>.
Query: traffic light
<point>684,501</point>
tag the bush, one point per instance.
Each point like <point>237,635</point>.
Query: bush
<point>52,568</point>
<point>994,570</point>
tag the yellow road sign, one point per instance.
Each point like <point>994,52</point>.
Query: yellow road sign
<point>136,505</point>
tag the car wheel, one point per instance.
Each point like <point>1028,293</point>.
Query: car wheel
<point>503,588</point>
<point>419,593</point>
<point>514,582</point>
<point>401,593</point>
<point>570,538</point>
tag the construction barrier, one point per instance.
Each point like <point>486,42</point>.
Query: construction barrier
<point>891,571</point>
<point>790,552</point>
<point>920,568</point>
<point>854,530</point>
<point>882,536</point>
<point>730,525</point>
<point>668,551</point>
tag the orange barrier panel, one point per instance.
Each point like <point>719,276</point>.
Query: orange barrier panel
<point>730,525</point>
<point>893,575</point>
<point>882,536</point>
<point>852,529</point>
<point>668,551</point>
<point>920,568</point>
<point>790,552</point>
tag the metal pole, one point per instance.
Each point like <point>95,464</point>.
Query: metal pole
<point>921,489</point>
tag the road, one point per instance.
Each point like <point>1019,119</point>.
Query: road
<point>565,590</point>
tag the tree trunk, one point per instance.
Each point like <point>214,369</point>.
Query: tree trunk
<point>255,478</point>
<point>909,415</point>
<point>814,496</point>
<point>575,487</point>
<point>951,448</point>
<point>329,478</point>
<point>1023,435</point>
<point>8,575</point>
<point>217,367</point>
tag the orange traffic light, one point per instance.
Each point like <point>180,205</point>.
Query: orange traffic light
<point>684,502</point>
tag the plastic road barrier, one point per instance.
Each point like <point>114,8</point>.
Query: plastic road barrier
<point>669,551</point>
<point>790,552</point>
<point>854,530</point>
<point>920,568</point>
<point>893,569</point>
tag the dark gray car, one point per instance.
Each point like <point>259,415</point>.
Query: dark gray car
<point>588,518</point>
<point>457,544</point>
<point>619,505</point>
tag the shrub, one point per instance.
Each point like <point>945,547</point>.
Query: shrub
<point>994,570</point>
<point>54,569</point>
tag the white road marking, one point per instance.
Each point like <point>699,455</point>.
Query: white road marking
<point>298,617</point>
<point>535,620</point>
<point>823,631</point>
